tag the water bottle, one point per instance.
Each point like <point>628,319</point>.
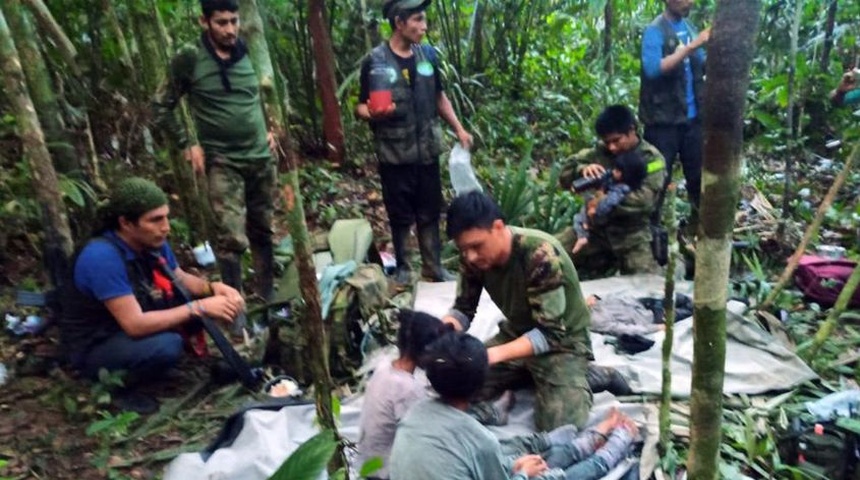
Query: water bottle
<point>463,178</point>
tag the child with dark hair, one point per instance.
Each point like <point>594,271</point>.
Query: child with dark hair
<point>439,439</point>
<point>393,387</point>
<point>628,174</point>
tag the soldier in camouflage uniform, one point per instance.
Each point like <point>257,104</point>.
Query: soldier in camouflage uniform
<point>623,239</point>
<point>407,134</point>
<point>235,148</point>
<point>544,340</point>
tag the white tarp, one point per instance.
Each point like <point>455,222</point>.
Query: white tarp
<point>755,363</point>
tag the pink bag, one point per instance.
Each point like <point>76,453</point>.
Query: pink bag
<point>821,279</point>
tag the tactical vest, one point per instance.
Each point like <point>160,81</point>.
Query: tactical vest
<point>663,100</point>
<point>86,321</point>
<point>412,134</point>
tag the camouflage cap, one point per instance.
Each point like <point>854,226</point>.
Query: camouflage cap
<point>135,196</point>
<point>392,8</point>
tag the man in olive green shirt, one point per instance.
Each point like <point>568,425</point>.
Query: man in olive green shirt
<point>544,340</point>
<point>623,239</point>
<point>235,148</point>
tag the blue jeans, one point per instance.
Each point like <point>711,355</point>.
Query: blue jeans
<point>577,464</point>
<point>143,358</point>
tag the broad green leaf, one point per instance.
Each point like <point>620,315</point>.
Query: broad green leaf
<point>309,460</point>
<point>372,465</point>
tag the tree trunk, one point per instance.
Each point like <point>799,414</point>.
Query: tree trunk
<point>730,55</point>
<point>476,39</point>
<point>326,81</point>
<point>829,25</point>
<point>310,312</point>
<point>47,23</point>
<point>116,30</point>
<point>58,237</point>
<point>40,88</point>
<point>153,61</point>
<point>608,27</point>
<point>791,125</point>
<point>670,221</point>
<point>258,49</point>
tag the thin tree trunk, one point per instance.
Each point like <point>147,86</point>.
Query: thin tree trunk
<point>58,237</point>
<point>153,61</point>
<point>842,301</point>
<point>475,44</point>
<point>47,23</point>
<point>791,125</point>
<point>368,26</point>
<point>730,54</point>
<point>670,221</point>
<point>310,312</point>
<point>116,30</point>
<point>608,27</point>
<point>40,88</point>
<point>253,32</point>
<point>811,230</point>
<point>829,26</point>
<point>326,81</point>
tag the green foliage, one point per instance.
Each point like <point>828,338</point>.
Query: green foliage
<point>309,460</point>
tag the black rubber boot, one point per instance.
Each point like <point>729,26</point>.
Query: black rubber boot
<point>403,272</point>
<point>430,245</point>
<point>231,274</point>
<point>607,379</point>
<point>264,269</point>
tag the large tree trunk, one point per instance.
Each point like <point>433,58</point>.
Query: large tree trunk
<point>310,312</point>
<point>40,88</point>
<point>326,81</point>
<point>116,30</point>
<point>58,237</point>
<point>730,54</point>
<point>53,30</point>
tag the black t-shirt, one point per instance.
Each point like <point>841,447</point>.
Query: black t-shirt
<point>407,70</point>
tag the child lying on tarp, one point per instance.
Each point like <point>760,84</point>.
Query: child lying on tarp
<point>438,439</point>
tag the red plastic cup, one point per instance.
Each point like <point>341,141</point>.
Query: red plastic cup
<point>380,100</point>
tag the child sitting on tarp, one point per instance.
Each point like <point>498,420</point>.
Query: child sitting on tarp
<point>439,439</point>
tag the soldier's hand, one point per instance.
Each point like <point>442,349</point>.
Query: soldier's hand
<point>194,154</point>
<point>221,288</point>
<point>220,308</point>
<point>593,170</point>
<point>703,38</point>
<point>466,139</point>
<point>380,114</point>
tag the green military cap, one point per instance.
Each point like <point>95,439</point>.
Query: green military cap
<point>391,8</point>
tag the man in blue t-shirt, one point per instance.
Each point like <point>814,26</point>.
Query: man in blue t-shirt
<point>670,98</point>
<point>120,310</point>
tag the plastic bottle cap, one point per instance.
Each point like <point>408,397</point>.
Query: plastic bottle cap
<point>819,429</point>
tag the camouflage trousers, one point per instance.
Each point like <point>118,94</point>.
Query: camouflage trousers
<point>241,195</point>
<point>562,394</point>
<point>600,256</point>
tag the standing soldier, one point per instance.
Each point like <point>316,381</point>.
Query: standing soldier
<point>235,149</point>
<point>670,97</point>
<point>407,133</point>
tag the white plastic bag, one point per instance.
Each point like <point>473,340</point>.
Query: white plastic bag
<point>460,168</point>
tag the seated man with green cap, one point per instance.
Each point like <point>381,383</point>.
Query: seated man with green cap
<point>120,311</point>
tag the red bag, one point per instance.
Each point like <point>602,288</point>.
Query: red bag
<point>821,279</point>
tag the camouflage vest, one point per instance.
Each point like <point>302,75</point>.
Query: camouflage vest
<point>412,135</point>
<point>663,100</point>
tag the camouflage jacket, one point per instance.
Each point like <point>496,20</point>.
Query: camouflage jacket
<point>628,222</point>
<point>538,288</point>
